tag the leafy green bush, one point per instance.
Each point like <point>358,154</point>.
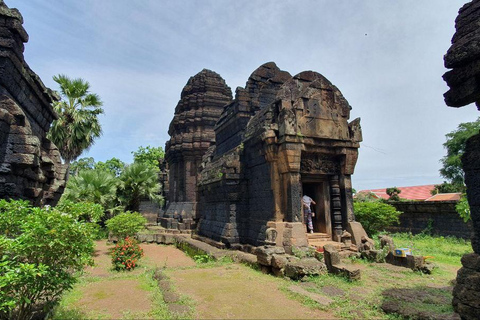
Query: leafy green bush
<point>95,186</point>
<point>40,250</point>
<point>126,254</point>
<point>463,208</point>
<point>126,224</point>
<point>393,193</point>
<point>83,211</point>
<point>375,216</point>
<point>202,258</point>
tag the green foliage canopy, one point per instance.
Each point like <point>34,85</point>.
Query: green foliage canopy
<point>77,125</point>
<point>115,166</point>
<point>447,187</point>
<point>455,145</point>
<point>80,165</point>
<point>140,180</point>
<point>95,186</point>
<point>375,216</point>
<point>149,155</point>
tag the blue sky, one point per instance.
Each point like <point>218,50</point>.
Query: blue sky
<point>385,56</point>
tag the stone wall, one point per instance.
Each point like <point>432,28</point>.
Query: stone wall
<point>30,165</point>
<point>441,217</point>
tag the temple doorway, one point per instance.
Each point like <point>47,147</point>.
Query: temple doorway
<point>319,191</point>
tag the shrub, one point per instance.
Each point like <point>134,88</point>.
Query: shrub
<point>375,216</point>
<point>84,211</point>
<point>125,254</point>
<point>126,224</point>
<point>40,250</point>
<point>393,193</point>
<point>463,208</point>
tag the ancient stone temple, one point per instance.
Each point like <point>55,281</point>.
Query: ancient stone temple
<point>191,131</point>
<point>280,138</point>
<point>463,58</point>
<point>30,165</point>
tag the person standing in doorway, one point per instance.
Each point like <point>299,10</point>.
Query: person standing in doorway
<point>307,212</point>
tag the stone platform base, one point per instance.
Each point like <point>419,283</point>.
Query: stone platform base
<point>466,294</point>
<point>178,215</point>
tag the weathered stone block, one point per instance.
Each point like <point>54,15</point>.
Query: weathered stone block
<point>265,253</point>
<point>331,256</point>
<point>304,267</point>
<point>356,230</point>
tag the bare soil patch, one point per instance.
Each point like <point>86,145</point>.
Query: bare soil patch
<point>237,292</point>
<point>101,259</point>
<point>165,256</point>
<point>114,297</point>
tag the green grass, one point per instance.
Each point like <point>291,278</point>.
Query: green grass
<point>448,250</point>
<point>363,299</point>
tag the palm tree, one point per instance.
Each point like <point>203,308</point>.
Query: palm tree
<point>140,181</point>
<point>97,186</point>
<point>77,125</point>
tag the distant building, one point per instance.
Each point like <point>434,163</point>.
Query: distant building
<point>414,193</point>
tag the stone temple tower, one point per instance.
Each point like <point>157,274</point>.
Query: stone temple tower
<point>191,134</point>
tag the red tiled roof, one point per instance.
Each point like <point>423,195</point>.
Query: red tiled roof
<point>409,193</point>
<point>445,197</point>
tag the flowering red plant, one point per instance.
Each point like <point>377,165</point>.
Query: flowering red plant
<point>125,254</point>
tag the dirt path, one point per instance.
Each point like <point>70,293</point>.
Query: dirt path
<point>229,291</point>
<point>237,292</point>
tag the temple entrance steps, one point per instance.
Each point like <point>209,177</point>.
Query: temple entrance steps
<point>318,239</point>
<point>319,236</point>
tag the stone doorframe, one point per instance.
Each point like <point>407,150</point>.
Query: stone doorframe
<point>320,193</point>
<point>285,160</point>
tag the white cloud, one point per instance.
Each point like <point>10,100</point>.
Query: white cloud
<point>385,57</point>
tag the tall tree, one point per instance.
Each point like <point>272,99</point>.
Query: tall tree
<point>81,164</point>
<point>149,155</point>
<point>114,166</point>
<point>451,164</point>
<point>77,125</point>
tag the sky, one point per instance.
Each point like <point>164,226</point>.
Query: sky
<point>385,56</point>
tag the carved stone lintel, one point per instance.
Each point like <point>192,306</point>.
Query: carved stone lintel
<point>320,164</point>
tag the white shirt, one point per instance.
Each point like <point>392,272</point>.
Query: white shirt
<point>307,201</point>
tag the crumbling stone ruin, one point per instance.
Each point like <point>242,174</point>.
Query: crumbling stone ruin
<point>30,165</point>
<point>191,131</point>
<point>281,137</point>
<point>463,58</point>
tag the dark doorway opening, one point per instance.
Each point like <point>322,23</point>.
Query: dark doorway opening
<point>319,192</point>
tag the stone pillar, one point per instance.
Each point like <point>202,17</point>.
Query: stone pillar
<point>336,203</point>
<point>347,198</point>
<point>294,203</point>
<point>466,294</point>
